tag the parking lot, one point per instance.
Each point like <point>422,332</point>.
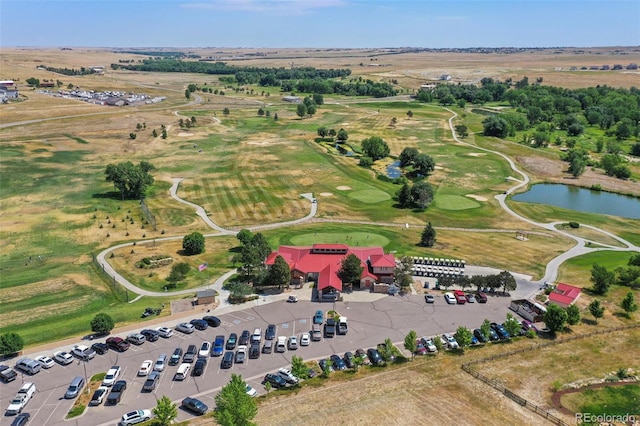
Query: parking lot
<point>369,324</point>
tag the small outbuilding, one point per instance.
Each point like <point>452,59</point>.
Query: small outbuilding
<point>564,295</point>
<point>205,297</point>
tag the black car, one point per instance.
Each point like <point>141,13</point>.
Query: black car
<point>311,373</point>
<point>199,324</point>
<point>275,380</point>
<point>195,405</point>
<point>99,395</point>
<point>212,321</point>
<point>150,335</point>
<point>231,342</point>
<point>478,335</point>
<point>270,333</point>
<point>198,368</point>
<point>338,363</point>
<point>227,360</point>
<point>152,380</point>
<point>502,332</point>
<point>100,348</point>
<point>375,357</point>
<point>176,356</point>
<point>349,360</point>
<point>117,390</point>
<point>324,364</point>
<point>244,338</point>
<point>254,351</point>
<point>190,354</point>
<point>21,420</point>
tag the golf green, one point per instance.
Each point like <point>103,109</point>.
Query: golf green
<point>360,239</point>
<point>369,196</point>
<point>455,202</point>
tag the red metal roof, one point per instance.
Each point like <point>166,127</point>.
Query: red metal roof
<point>564,294</point>
<point>329,278</point>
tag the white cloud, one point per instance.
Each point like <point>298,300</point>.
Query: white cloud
<point>271,7</point>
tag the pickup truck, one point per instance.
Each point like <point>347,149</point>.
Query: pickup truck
<point>330,327</point>
<point>23,396</point>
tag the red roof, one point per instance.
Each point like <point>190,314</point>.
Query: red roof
<point>564,294</point>
<point>383,260</point>
<point>329,278</point>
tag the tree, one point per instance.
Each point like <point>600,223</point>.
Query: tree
<point>386,350</point>
<point>322,132</point>
<point>635,149</point>
<point>131,180</point>
<point>154,133</point>
<point>403,273</point>
<point>102,324</point>
<point>244,236</point>
<point>375,147</point>
<point>410,343</point>
<point>573,314</point>
<point>233,406</point>
<point>507,281</point>
<point>260,112</point>
<point>577,167</point>
<point>404,196</point>
<point>165,411</point>
<point>596,309</point>
<point>10,343</point>
<point>365,162</point>
<point>428,237</point>
<point>187,94</point>
<point>133,135</point>
<point>178,273</point>
<point>407,156</point>
<point>462,130</point>
<point>164,133</point>
<point>225,111</point>
<point>318,99</point>
<point>555,318</point>
<point>424,164</point>
<point>495,126</point>
<point>341,136</point>
<point>602,279</point>
<point>298,367</point>
<point>512,325</point>
<point>350,269</point>
<point>485,328</point>
<point>275,117</point>
<point>311,109</point>
<point>422,194</point>
<point>193,243</point>
<point>279,274</point>
<point>301,111</point>
<point>463,336</point>
<point>629,304</point>
<point>253,255</point>
<point>410,114</point>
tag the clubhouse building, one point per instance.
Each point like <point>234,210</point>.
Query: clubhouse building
<point>321,262</point>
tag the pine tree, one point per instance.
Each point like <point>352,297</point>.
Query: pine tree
<point>428,238</point>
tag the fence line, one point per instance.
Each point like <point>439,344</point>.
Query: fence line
<point>115,287</point>
<point>467,367</point>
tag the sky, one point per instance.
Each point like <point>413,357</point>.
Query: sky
<point>319,23</point>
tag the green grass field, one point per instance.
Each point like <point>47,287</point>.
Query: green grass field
<point>612,401</point>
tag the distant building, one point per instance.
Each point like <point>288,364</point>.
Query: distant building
<point>205,297</point>
<point>8,90</point>
<point>292,99</point>
<point>99,69</point>
<point>564,295</point>
<point>428,86</point>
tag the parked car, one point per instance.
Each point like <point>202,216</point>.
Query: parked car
<point>150,384</point>
<point>449,342</point>
<point>195,405</point>
<point>375,357</point>
<point>477,333</point>
<point>190,354</point>
<point>100,348</point>
<point>318,318</point>
<point>185,327</point>
<point>199,324</point>
<point>251,391</point>
<point>45,361</point>
<point>205,347</point>
<point>428,298</point>
<point>118,344</point>
<point>270,333</point>
<point>493,336</point>
<point>429,344</point>
<point>24,395</point>
<point>212,321</point>
<point>165,332</point>
<point>481,297</point>
<point>232,341</point>
<point>136,338</point>
<point>227,360</point>
<point>502,332</point>
<point>182,372</point>
<point>470,298</point>
<point>145,368</point>
<point>288,376</point>
<point>111,376</point>
<point>330,327</point>
<point>63,357</point>
<point>276,381</point>
<point>349,360</point>
<point>218,346</point>
<point>83,352</point>
<point>450,299</point>
<point>267,348</point>
<point>421,349</point>
<point>161,362</point>
<point>117,390</point>
<point>292,299</point>
<point>305,339</point>
<point>244,338</point>
<point>7,374</point>
<point>338,363</point>
<point>150,335</point>
<point>254,351</point>
<point>281,344</point>
<point>460,297</point>
<point>363,356</point>
<point>176,356</point>
<point>75,387</point>
<point>199,366</point>
<point>135,417</point>
<point>325,365</point>
<point>528,325</point>
<point>241,354</point>
<point>256,337</point>
<point>292,344</point>
<point>21,419</point>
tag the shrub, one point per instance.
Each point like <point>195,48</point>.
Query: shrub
<point>366,162</point>
<point>574,225</point>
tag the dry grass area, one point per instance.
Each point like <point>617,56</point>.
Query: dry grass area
<point>593,235</point>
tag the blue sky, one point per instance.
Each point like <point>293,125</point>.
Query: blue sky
<point>319,23</point>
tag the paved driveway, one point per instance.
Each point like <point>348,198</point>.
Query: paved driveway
<point>369,323</point>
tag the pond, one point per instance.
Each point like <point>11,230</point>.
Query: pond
<point>582,199</point>
<point>393,170</point>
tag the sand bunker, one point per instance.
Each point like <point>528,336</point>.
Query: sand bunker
<point>258,143</point>
<point>184,135</point>
<point>439,168</point>
<point>343,188</point>
<point>477,197</point>
<point>477,154</point>
<point>326,194</point>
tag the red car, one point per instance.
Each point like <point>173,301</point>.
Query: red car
<point>481,297</point>
<point>117,344</point>
<point>461,298</point>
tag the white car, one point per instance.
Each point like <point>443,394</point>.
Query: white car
<point>165,332</point>
<point>293,343</point>
<point>449,341</point>
<point>145,368</point>
<point>160,363</point>
<point>251,391</point>
<point>428,343</point>
<point>83,352</point>
<point>287,375</point>
<point>256,337</point>
<point>305,339</point>
<point>205,348</point>
<point>45,361</point>
<point>63,357</point>
<point>450,298</point>
<point>111,376</point>
<point>135,417</point>
<point>185,327</point>
<point>99,395</point>
<point>241,354</point>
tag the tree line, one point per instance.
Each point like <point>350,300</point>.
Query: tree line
<point>68,71</point>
